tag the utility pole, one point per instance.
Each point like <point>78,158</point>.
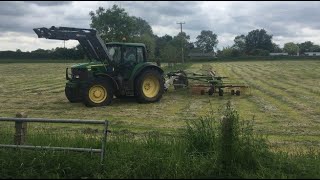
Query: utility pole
<point>64,46</point>
<point>182,55</point>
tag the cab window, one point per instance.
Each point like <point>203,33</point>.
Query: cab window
<point>140,54</point>
<point>130,54</point>
<point>115,53</point>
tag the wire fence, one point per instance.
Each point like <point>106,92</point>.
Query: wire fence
<point>54,134</point>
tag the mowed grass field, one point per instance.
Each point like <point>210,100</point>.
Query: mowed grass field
<point>284,100</point>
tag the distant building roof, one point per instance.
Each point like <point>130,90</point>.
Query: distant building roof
<point>277,54</point>
<point>312,52</point>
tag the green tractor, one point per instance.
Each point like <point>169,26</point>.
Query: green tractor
<point>115,69</point>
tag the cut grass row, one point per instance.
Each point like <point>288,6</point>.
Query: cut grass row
<point>38,89</point>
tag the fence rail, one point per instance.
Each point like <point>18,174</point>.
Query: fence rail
<point>21,121</point>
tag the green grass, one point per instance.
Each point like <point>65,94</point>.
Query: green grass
<point>284,102</point>
<point>204,148</point>
<point>284,99</point>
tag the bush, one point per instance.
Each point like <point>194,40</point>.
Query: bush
<point>240,150</point>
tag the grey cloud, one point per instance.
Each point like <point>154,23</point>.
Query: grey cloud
<point>171,8</point>
<point>280,17</point>
<point>49,3</point>
<point>13,9</point>
<point>284,19</point>
<point>160,12</point>
<point>23,16</point>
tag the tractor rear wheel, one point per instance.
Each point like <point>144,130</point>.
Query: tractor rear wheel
<point>211,91</point>
<point>98,92</point>
<point>72,94</point>
<point>149,86</point>
<point>238,92</point>
<point>232,92</point>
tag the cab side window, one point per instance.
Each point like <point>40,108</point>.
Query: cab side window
<point>140,54</point>
<point>130,54</point>
<point>115,53</point>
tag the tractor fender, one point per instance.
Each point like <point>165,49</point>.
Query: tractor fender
<point>111,79</point>
<point>141,69</point>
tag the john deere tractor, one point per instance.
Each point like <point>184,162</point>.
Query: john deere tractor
<point>115,69</point>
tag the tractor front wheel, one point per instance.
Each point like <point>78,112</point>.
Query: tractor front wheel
<point>220,92</point>
<point>149,86</point>
<point>72,94</point>
<point>98,93</point>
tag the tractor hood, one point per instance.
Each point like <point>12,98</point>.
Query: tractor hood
<point>83,65</point>
<point>88,65</point>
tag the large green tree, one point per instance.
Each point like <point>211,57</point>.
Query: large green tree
<point>290,48</point>
<point>141,27</point>
<point>276,48</point>
<point>182,39</point>
<point>258,39</point>
<point>207,41</point>
<point>308,46</point>
<point>115,24</point>
<point>240,43</point>
<point>315,48</point>
<point>305,47</point>
<point>168,53</point>
<point>161,42</point>
<point>150,43</point>
<point>229,52</point>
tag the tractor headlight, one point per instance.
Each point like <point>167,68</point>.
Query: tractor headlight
<point>79,74</point>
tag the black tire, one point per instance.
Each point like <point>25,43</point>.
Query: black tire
<point>102,86</point>
<point>211,91</point>
<point>238,93</point>
<point>72,94</point>
<point>220,92</point>
<point>232,92</point>
<point>159,86</point>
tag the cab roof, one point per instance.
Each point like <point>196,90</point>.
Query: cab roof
<point>126,44</point>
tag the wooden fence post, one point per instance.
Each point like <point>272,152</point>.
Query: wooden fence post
<point>21,130</point>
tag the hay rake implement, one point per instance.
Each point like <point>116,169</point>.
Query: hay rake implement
<point>204,83</point>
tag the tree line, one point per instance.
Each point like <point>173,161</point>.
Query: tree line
<point>74,53</point>
<point>116,25</point>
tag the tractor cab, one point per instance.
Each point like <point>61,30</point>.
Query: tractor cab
<point>126,56</point>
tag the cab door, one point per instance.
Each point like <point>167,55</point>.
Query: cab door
<point>132,55</point>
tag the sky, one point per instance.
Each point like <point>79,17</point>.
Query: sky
<point>287,21</point>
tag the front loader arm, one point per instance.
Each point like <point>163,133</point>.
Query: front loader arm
<point>91,42</point>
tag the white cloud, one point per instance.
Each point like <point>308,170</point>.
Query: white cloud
<point>287,21</point>
<point>25,42</point>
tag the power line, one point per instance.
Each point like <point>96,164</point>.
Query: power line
<point>182,55</point>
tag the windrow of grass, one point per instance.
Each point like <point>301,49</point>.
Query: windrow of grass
<point>284,99</point>
<point>223,146</point>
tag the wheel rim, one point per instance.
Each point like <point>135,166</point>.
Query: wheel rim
<point>97,94</point>
<point>150,86</point>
